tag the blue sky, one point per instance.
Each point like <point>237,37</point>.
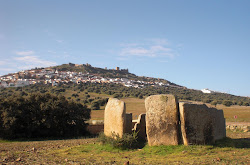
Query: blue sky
<point>197,44</point>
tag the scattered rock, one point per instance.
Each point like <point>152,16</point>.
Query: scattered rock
<point>18,159</point>
<point>126,163</point>
<point>34,149</point>
<point>218,159</point>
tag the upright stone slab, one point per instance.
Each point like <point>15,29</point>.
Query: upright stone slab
<point>219,123</point>
<point>115,117</point>
<point>162,120</point>
<point>128,128</point>
<point>140,127</point>
<point>196,124</point>
<point>200,124</point>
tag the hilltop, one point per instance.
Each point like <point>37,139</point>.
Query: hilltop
<point>77,73</point>
<point>108,73</point>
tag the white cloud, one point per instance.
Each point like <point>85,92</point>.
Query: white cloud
<point>23,60</point>
<point>50,51</point>
<point>2,62</point>
<point>25,53</point>
<point>136,51</point>
<point>59,41</point>
<point>155,48</point>
<point>159,41</point>
<point>30,61</point>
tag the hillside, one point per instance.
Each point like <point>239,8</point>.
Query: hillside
<point>67,78</point>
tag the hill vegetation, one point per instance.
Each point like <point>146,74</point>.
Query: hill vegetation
<point>80,93</point>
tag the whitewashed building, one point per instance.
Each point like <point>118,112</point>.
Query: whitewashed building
<point>206,90</point>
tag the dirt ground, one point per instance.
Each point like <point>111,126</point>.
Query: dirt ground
<point>34,152</point>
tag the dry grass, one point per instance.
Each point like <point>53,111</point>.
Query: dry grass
<point>242,113</point>
<point>135,106</point>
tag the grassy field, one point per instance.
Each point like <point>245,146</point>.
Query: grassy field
<point>242,113</point>
<point>137,106</point>
<point>90,151</point>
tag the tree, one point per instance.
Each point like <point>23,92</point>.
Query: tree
<point>246,104</point>
<point>140,96</point>
<point>214,103</point>
<point>227,103</point>
<point>95,105</point>
<point>41,115</point>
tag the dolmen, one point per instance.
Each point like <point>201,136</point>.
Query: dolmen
<point>167,121</point>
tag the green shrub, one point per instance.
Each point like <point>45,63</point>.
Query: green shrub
<point>227,103</point>
<point>127,141</point>
<point>95,105</point>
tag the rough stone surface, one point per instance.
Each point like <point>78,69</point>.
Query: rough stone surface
<point>219,123</point>
<point>200,124</point>
<point>140,127</point>
<point>115,117</point>
<point>128,128</point>
<point>162,120</point>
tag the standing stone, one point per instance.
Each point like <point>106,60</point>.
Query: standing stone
<point>128,128</point>
<point>162,120</point>
<point>200,124</point>
<point>115,117</point>
<point>219,123</point>
<point>140,127</point>
<point>196,124</point>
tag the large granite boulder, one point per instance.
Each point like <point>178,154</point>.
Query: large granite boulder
<point>200,124</point>
<point>140,127</point>
<point>115,117</point>
<point>162,120</point>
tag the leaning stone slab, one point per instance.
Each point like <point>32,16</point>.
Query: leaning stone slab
<point>162,120</point>
<point>115,117</point>
<point>200,124</point>
<point>140,127</point>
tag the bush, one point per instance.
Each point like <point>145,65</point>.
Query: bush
<point>227,103</point>
<point>246,104</point>
<point>214,102</point>
<point>95,105</point>
<point>41,115</point>
<point>127,141</point>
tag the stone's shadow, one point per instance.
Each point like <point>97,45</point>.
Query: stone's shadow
<point>234,143</point>
<point>141,143</point>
